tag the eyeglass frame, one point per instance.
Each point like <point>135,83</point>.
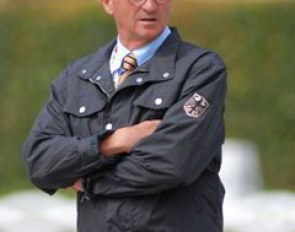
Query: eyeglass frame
<point>141,2</point>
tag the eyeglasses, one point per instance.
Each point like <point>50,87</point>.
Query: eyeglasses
<point>141,2</point>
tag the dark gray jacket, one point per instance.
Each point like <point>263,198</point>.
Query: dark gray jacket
<point>169,182</point>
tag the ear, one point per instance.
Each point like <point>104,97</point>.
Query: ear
<point>108,6</point>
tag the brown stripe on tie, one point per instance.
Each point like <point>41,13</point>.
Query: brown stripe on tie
<point>129,63</point>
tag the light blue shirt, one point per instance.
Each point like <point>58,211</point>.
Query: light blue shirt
<point>142,54</point>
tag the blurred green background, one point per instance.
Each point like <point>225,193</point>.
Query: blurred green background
<point>256,41</point>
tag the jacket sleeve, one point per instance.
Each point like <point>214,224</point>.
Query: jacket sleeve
<point>53,157</point>
<point>182,146</point>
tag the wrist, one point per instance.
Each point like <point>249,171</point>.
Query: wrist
<point>112,144</point>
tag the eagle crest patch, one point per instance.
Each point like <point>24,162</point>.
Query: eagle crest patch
<point>196,106</point>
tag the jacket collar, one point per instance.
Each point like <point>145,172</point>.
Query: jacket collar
<point>160,68</point>
<point>98,62</point>
<point>162,65</point>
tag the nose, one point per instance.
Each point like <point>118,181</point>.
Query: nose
<point>150,5</point>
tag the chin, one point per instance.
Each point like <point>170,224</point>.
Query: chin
<point>150,35</point>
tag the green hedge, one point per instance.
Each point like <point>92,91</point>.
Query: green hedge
<point>256,41</point>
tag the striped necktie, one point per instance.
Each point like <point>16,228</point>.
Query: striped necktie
<point>129,63</point>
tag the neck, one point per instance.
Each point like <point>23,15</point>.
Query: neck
<point>133,44</point>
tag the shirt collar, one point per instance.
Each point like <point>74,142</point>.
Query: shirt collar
<point>142,54</point>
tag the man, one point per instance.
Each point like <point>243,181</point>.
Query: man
<point>136,128</point>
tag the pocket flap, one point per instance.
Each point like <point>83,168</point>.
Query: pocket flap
<point>84,106</point>
<point>155,98</point>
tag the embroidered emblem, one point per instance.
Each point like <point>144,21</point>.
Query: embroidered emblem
<point>196,106</point>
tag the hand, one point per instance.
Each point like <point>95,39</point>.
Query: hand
<point>123,139</point>
<point>77,186</point>
<point>129,136</point>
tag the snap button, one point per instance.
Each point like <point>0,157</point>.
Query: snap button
<point>139,80</point>
<point>109,126</point>
<point>158,101</point>
<point>84,71</point>
<point>82,109</point>
<point>98,78</point>
<point>166,75</point>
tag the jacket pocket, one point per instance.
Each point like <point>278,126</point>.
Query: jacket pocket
<point>153,102</point>
<point>84,106</point>
<point>156,97</point>
<point>85,114</point>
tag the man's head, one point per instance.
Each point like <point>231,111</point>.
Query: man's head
<point>138,21</point>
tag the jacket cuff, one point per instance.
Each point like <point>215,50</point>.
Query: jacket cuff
<point>89,148</point>
<point>104,164</point>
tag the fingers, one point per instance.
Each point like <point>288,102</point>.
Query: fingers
<point>123,139</point>
<point>151,122</point>
<point>149,126</point>
<point>145,128</point>
<point>78,186</point>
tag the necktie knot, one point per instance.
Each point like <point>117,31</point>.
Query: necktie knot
<point>129,63</point>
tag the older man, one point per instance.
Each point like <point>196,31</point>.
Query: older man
<point>136,128</point>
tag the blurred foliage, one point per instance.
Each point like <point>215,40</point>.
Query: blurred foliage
<point>38,38</point>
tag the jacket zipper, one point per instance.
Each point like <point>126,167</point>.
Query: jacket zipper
<point>101,88</point>
<point>106,112</point>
